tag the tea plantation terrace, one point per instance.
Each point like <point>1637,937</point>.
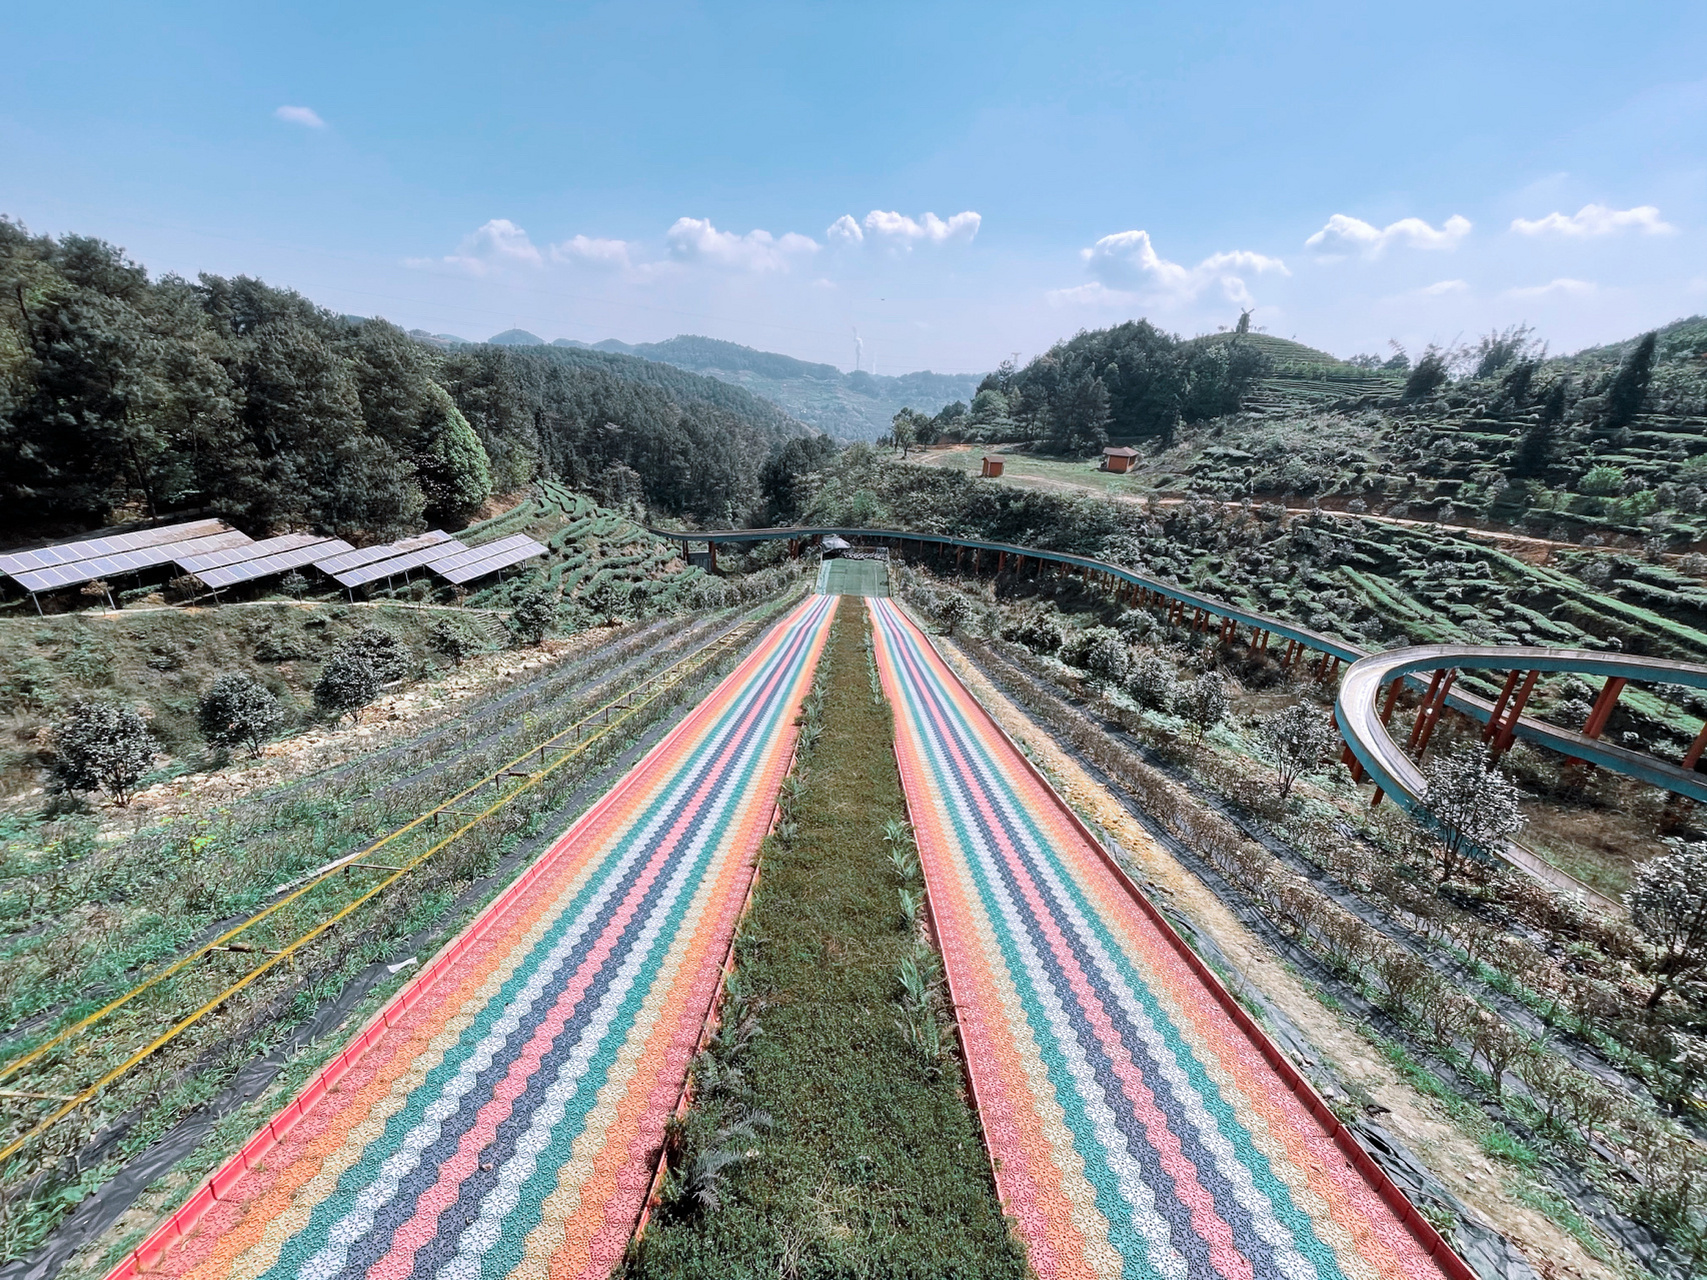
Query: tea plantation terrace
<point>1368,746</point>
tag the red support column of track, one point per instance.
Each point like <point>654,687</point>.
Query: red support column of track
<point>1435,714</point>
<point>1392,701</point>
<point>1492,726</point>
<point>1692,757</point>
<point>1352,763</point>
<point>1503,741</point>
<point>1422,711</point>
<point>1603,705</point>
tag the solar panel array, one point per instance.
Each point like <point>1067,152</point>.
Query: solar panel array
<point>385,551</point>
<point>17,562</point>
<point>364,574</point>
<point>114,561</point>
<point>477,562</point>
<point>279,560</point>
<point>222,556</point>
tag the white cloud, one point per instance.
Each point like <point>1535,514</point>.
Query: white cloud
<point>1094,294</point>
<point>1562,287</point>
<point>845,229</point>
<point>610,254</point>
<point>1442,287</point>
<point>1344,234</point>
<point>306,116</point>
<point>696,240</point>
<point>900,228</point>
<point>499,243</point>
<point>1127,263</point>
<point>1594,220</point>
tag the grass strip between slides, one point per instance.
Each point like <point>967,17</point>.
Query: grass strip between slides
<point>872,1162</point>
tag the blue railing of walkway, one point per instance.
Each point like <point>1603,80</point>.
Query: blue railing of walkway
<point>1398,664</point>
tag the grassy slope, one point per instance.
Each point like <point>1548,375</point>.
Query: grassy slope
<point>163,659</point>
<point>873,1166</point>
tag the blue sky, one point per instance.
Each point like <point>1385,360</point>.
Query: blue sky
<point>924,186</point>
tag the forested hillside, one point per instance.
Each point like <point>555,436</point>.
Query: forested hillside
<point>1129,382</point>
<point>125,397</point>
<point>853,406</point>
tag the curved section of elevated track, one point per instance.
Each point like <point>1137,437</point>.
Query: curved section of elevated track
<point>1373,751</point>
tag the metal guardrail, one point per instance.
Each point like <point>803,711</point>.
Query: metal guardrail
<point>1364,732</point>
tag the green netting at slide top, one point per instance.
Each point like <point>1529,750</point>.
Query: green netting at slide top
<point>853,578</point>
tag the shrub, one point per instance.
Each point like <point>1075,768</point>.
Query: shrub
<point>1106,656</point>
<point>239,710</point>
<point>347,683</point>
<point>613,597</point>
<point>1038,631</point>
<point>1602,481</point>
<point>1668,902</point>
<point>102,746</point>
<point>389,660</point>
<point>1151,683</point>
<point>450,638</point>
<point>954,611</point>
<point>1203,703</point>
<point>1294,741</point>
<point>535,614</point>
<point>1470,805</point>
<point>1135,624</point>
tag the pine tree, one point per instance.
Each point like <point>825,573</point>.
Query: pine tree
<point>1624,397</point>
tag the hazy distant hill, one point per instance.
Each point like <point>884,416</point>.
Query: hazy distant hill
<point>443,341</point>
<point>855,406</point>
<point>516,338</point>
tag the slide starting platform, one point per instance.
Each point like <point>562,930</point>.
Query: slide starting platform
<point>853,578</point>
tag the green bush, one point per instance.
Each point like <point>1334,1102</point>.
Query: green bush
<point>239,710</point>
<point>102,746</point>
<point>347,684</point>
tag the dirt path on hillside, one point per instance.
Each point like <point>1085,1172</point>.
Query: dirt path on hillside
<point>1454,1157</point>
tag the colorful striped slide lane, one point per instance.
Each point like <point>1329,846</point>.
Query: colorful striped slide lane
<point>506,1119</point>
<point>1136,1123</point>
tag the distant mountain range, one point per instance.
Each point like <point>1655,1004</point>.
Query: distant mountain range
<point>854,406</point>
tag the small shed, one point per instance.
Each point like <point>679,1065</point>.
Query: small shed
<point>833,546</point>
<point>1118,458</point>
<point>992,466</point>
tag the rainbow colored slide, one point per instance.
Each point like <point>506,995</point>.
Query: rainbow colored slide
<point>502,1115</point>
<point>1138,1121</point>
